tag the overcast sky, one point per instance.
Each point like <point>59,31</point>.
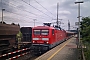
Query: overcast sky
<point>25,12</point>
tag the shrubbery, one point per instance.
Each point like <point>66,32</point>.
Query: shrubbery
<point>85,32</point>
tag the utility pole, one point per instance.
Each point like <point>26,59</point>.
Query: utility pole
<point>57,13</point>
<point>34,21</point>
<point>2,15</point>
<point>68,25</point>
<point>59,21</point>
<point>29,2</point>
<point>79,20</point>
<point>2,11</point>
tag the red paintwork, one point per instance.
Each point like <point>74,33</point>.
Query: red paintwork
<point>69,34</point>
<point>58,35</point>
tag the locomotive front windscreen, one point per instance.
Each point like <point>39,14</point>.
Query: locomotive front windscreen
<point>41,32</point>
<point>44,32</point>
<point>36,32</point>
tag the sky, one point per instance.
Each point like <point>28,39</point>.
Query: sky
<point>28,12</point>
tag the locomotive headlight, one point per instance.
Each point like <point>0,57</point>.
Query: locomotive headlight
<point>47,42</point>
<point>45,39</point>
<point>33,41</point>
<point>35,38</point>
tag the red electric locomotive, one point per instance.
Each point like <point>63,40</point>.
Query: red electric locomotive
<point>47,37</point>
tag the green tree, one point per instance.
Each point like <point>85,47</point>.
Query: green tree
<point>85,32</point>
<point>85,29</point>
<point>19,38</point>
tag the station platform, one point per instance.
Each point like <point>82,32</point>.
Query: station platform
<point>65,51</point>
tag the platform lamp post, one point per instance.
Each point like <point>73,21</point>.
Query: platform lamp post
<point>2,11</point>
<point>2,15</point>
<point>79,20</point>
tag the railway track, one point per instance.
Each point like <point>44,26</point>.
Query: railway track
<point>16,54</point>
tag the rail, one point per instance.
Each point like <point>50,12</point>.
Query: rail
<point>15,54</point>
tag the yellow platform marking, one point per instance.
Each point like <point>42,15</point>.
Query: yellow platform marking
<point>58,51</point>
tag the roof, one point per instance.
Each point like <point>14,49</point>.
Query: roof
<point>43,27</point>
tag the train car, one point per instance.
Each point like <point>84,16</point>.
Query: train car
<point>26,37</point>
<point>70,34</point>
<point>46,37</point>
<point>8,34</point>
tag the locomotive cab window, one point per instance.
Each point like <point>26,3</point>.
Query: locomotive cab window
<point>36,32</point>
<point>44,32</point>
<point>52,32</point>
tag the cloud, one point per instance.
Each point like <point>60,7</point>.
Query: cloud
<point>64,12</point>
<point>21,12</point>
<point>4,4</point>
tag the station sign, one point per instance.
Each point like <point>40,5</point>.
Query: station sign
<point>76,23</point>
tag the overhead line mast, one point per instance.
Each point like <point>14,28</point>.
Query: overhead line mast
<point>68,25</point>
<point>57,13</point>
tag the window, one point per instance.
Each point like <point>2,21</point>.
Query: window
<point>36,32</point>
<point>44,32</point>
<point>52,32</point>
<point>41,32</point>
